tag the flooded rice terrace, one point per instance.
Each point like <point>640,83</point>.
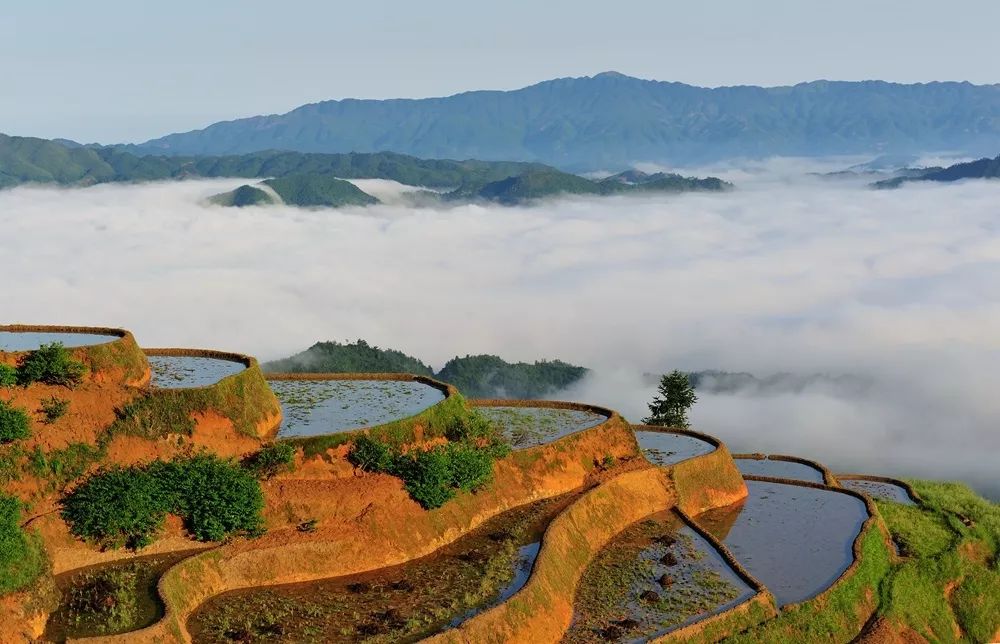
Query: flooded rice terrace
<point>313,407</point>
<point>796,540</point>
<point>667,448</point>
<point>31,340</point>
<point>109,599</point>
<point>776,468</point>
<point>655,576</point>
<point>181,372</point>
<point>402,603</point>
<point>532,426</point>
<point>881,490</point>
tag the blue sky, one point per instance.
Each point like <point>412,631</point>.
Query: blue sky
<point>112,71</point>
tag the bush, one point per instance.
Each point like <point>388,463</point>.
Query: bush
<point>50,364</point>
<point>471,467</point>
<point>21,557</point>
<point>371,455</point>
<point>14,423</point>
<point>54,408</point>
<point>270,460</point>
<point>471,427</point>
<point>117,507</point>
<point>8,375</point>
<point>427,476</point>
<point>214,497</point>
<point>126,506</point>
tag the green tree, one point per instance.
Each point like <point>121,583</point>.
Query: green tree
<point>674,398</point>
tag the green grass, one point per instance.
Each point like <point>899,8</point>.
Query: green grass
<point>22,556</point>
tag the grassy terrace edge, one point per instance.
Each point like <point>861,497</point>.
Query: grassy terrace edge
<point>244,398</point>
<point>119,360</point>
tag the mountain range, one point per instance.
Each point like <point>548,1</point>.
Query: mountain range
<point>611,122</point>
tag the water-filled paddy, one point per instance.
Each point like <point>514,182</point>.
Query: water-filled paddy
<point>881,490</point>
<point>531,426</point>
<point>31,340</point>
<point>178,372</point>
<point>109,599</point>
<point>796,540</point>
<point>655,576</point>
<point>665,448</point>
<point>779,469</point>
<point>313,407</point>
<point>401,603</point>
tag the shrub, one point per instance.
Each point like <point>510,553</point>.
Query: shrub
<point>371,455</point>
<point>21,556</point>
<point>61,466</point>
<point>126,506</point>
<point>54,408</point>
<point>470,427</point>
<point>116,507</point>
<point>214,497</point>
<point>427,476</point>
<point>471,467</point>
<point>8,375</point>
<point>50,364</point>
<point>14,423</point>
<point>270,460</point>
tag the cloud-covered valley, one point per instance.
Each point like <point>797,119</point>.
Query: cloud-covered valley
<point>803,276</point>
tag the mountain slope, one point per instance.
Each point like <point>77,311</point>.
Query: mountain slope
<point>979,169</point>
<point>611,120</point>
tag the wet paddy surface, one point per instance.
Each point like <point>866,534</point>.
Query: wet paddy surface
<point>795,540</point>
<point>778,469</point>
<point>665,448</point>
<point>532,426</point>
<point>654,577</point>
<point>181,372</point>
<point>314,407</point>
<point>399,604</point>
<point>880,490</point>
<point>31,340</point>
<point>109,599</point>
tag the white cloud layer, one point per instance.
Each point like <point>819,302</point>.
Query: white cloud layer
<point>802,275</point>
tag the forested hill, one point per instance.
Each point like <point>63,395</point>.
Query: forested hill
<point>980,169</point>
<point>476,376</point>
<point>612,121</point>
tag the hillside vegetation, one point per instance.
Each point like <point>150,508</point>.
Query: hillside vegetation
<point>979,169</point>
<point>476,376</point>
<point>611,120</point>
<point>319,180</point>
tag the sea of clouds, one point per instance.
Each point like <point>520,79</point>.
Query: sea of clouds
<point>787,273</point>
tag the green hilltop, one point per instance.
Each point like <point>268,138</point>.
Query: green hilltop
<point>476,376</point>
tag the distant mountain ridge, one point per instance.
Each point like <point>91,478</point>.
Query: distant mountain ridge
<point>610,121</point>
<point>978,169</point>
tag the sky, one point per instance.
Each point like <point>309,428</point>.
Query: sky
<point>123,71</point>
<point>788,273</point>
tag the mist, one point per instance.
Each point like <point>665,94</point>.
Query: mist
<point>788,273</point>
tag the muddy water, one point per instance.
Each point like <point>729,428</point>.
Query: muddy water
<point>796,540</point>
<point>655,576</point>
<point>314,407</point>
<point>401,603</point>
<point>879,490</point>
<point>109,599</point>
<point>180,372</point>
<point>532,426</point>
<point>31,340</point>
<point>664,448</point>
<point>779,469</point>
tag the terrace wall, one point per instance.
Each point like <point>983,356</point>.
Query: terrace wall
<point>120,361</point>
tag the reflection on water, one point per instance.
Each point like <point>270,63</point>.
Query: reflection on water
<point>779,469</point>
<point>179,372</point>
<point>665,448</point>
<point>796,540</point>
<point>31,340</point>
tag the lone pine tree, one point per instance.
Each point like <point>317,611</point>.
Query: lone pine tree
<point>674,398</point>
